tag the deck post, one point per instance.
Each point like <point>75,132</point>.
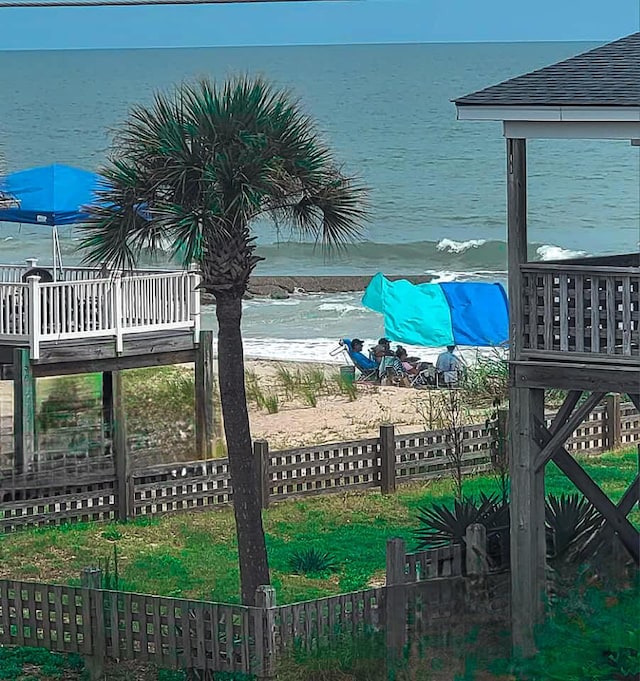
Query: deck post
<point>204,377</point>
<point>528,544</point>
<point>121,450</point>
<point>516,237</point>
<point>24,408</point>
<point>528,550</point>
<point>107,407</point>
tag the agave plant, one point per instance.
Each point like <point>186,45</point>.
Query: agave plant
<point>311,561</point>
<point>441,525</point>
<point>571,523</point>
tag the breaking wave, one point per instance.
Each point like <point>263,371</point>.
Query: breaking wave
<point>550,252</point>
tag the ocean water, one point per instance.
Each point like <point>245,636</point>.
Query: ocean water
<point>437,184</point>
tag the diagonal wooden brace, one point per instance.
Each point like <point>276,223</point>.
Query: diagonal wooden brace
<point>572,421</point>
<point>565,411</point>
<point>580,478</point>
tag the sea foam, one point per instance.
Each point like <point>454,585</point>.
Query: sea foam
<point>451,246</point>
<point>551,252</point>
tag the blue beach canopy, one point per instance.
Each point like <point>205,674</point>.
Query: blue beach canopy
<point>435,315</point>
<point>51,195</point>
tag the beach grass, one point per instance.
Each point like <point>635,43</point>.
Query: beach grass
<point>194,555</point>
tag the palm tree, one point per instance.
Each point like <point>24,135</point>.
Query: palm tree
<point>198,168</point>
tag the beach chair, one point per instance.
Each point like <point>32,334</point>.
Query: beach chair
<point>368,368</point>
<point>425,378</point>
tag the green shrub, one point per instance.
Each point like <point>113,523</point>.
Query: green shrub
<point>311,561</point>
<point>252,387</point>
<point>289,380</point>
<point>271,402</point>
<point>51,665</point>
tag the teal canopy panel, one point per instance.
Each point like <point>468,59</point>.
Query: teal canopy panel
<point>417,315</point>
<point>435,315</point>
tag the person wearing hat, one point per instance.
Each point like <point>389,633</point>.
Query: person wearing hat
<point>383,349</point>
<point>355,347</point>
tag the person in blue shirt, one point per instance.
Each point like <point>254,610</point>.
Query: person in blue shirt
<point>449,366</point>
<point>355,347</point>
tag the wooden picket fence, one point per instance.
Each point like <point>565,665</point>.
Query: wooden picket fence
<point>422,589</point>
<point>94,493</point>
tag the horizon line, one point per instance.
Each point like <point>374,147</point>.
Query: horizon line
<point>310,44</point>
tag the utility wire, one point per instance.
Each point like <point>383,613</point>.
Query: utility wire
<point>123,3</point>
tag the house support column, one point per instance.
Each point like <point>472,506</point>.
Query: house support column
<point>107,410</point>
<point>204,378</point>
<point>528,550</point>
<point>122,460</point>
<point>24,408</point>
<point>527,506</point>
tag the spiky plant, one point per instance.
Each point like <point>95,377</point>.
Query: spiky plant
<point>571,522</point>
<point>199,168</point>
<point>441,525</point>
<point>311,561</point>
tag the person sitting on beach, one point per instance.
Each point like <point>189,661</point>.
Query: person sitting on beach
<point>408,367</point>
<point>355,347</point>
<point>449,366</point>
<point>382,349</point>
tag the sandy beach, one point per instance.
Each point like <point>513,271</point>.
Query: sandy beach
<point>335,418</point>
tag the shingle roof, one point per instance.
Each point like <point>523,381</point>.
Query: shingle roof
<point>609,75</point>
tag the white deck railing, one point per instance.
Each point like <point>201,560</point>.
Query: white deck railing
<point>116,306</point>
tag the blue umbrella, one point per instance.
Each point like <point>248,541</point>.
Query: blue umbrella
<point>50,195</point>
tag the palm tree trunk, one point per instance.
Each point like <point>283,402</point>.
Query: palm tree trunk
<point>252,551</point>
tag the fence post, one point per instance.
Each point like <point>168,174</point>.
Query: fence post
<point>476,554</point>
<point>266,642</point>
<point>396,603</point>
<point>387,458</point>
<point>91,581</point>
<point>612,426</point>
<point>261,454</point>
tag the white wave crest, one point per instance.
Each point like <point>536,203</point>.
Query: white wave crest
<point>551,252</point>
<point>341,308</point>
<point>451,246</point>
<point>444,277</point>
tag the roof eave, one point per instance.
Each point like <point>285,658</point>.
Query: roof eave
<point>523,112</point>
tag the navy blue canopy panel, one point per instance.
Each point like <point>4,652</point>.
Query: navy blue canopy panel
<point>51,195</point>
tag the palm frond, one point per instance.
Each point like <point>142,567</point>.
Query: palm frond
<point>196,167</point>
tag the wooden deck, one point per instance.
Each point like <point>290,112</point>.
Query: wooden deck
<point>94,313</point>
<point>578,312</point>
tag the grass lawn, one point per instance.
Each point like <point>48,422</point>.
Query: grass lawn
<point>194,555</point>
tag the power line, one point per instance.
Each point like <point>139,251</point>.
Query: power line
<point>123,3</point>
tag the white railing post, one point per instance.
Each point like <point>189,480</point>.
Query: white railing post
<point>194,282</point>
<point>117,311</point>
<point>34,316</point>
<point>31,262</point>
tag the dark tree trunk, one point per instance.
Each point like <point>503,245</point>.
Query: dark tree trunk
<point>254,567</point>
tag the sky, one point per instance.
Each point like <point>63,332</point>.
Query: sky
<point>334,22</point>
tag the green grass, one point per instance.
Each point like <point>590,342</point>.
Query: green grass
<point>194,555</point>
